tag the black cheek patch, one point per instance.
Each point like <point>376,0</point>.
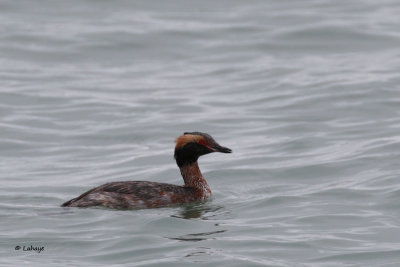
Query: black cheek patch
<point>189,153</point>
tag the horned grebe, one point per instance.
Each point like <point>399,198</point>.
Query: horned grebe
<point>141,194</point>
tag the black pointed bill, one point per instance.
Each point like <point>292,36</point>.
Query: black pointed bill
<point>218,148</point>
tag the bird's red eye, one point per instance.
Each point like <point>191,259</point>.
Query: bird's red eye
<point>206,145</point>
<point>202,142</point>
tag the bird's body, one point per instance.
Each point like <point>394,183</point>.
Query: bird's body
<point>134,194</point>
<point>143,194</point>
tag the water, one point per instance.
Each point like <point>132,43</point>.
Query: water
<point>306,93</point>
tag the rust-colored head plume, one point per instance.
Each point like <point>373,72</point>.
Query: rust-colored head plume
<point>187,138</point>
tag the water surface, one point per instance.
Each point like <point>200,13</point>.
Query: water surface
<point>306,93</point>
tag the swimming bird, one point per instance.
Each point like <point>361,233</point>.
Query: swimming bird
<point>142,194</point>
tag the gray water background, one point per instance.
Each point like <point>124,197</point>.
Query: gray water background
<point>306,93</point>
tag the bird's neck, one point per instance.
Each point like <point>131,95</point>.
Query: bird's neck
<point>193,178</point>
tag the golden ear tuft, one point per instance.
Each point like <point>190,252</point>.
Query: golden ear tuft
<point>182,140</point>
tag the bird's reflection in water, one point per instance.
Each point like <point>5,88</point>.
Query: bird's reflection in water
<point>200,210</point>
<point>198,236</point>
<point>203,211</point>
